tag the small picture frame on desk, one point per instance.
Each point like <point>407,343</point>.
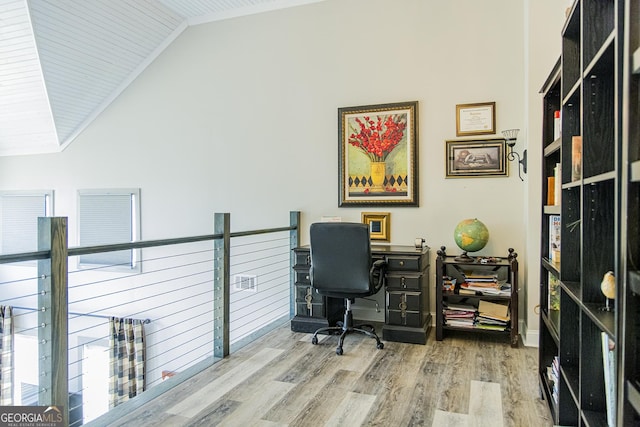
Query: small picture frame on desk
<point>379,225</point>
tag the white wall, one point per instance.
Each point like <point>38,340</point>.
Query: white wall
<point>240,116</point>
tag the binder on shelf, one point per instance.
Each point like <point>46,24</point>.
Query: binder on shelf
<point>554,238</point>
<point>576,158</point>
<point>553,300</point>
<point>609,368</point>
<point>551,188</point>
<point>557,179</point>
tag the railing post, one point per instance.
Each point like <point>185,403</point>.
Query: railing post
<point>53,366</point>
<point>294,238</point>
<point>221,289</point>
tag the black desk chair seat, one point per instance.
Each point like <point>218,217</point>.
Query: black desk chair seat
<point>341,267</point>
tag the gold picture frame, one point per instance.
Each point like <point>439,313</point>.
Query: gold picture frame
<point>378,155</point>
<point>476,119</point>
<point>379,225</point>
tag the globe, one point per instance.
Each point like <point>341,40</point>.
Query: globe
<point>471,235</point>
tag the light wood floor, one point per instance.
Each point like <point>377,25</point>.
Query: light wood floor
<point>284,380</point>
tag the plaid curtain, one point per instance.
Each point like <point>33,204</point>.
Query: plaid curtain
<point>6,355</point>
<point>126,359</point>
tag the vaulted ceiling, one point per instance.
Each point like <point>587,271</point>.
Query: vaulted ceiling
<point>62,62</point>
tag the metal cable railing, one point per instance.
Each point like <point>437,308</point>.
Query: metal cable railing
<point>197,299</point>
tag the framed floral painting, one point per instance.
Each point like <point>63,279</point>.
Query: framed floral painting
<point>378,147</point>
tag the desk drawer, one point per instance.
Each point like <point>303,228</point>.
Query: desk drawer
<point>404,301</point>
<point>303,258</point>
<point>404,318</point>
<point>302,277</point>
<point>308,302</point>
<point>404,309</point>
<point>310,310</point>
<point>307,294</point>
<point>404,281</point>
<point>404,263</point>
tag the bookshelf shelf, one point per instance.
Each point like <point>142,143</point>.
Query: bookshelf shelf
<point>635,171</point>
<point>586,85</point>
<point>635,62</point>
<point>633,396</point>
<point>553,147</point>
<point>551,209</point>
<point>552,318</point>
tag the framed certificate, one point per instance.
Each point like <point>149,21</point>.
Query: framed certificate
<point>476,119</point>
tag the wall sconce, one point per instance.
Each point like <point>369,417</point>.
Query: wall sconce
<point>510,137</point>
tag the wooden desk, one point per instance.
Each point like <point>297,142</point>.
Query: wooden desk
<point>407,316</point>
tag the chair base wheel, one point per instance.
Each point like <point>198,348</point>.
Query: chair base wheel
<point>380,346</point>
<point>339,351</point>
<point>314,340</point>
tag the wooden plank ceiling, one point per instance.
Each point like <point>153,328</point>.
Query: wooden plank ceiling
<point>62,62</point>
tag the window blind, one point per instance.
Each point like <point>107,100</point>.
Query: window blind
<point>19,221</point>
<point>104,219</point>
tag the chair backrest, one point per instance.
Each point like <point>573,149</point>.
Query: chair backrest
<point>340,258</point>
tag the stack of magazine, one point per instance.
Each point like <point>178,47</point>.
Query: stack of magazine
<point>493,316</point>
<point>459,315</point>
<point>484,284</point>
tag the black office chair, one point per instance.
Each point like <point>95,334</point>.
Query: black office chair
<point>341,267</point>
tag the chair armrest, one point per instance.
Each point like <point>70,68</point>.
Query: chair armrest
<point>376,274</point>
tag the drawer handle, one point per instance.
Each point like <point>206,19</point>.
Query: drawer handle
<point>401,263</point>
<point>308,298</point>
<point>402,282</point>
<point>403,306</point>
<point>308,259</point>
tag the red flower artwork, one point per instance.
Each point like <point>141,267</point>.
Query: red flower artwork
<point>379,135</point>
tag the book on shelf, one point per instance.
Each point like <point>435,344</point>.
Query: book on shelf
<point>551,188</point>
<point>576,158</point>
<point>609,368</point>
<point>554,238</point>
<point>557,184</point>
<point>462,307</point>
<point>492,316</point>
<point>486,326</point>
<point>483,288</point>
<point>493,310</point>
<point>553,293</point>
<point>480,277</point>
<point>448,283</point>
<point>459,315</point>
<point>553,375</point>
<point>460,323</point>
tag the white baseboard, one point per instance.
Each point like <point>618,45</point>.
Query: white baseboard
<point>530,337</point>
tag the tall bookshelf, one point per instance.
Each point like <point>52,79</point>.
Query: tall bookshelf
<point>629,367</point>
<point>549,270</point>
<point>588,93</point>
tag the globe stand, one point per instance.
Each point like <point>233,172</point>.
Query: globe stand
<point>464,257</point>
